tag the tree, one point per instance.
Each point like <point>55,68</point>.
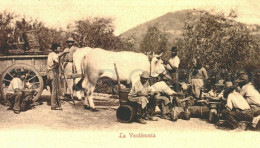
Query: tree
<point>129,44</point>
<point>154,40</point>
<point>6,30</point>
<point>219,41</point>
<point>96,33</point>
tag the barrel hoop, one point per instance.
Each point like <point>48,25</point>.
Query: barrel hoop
<point>201,111</point>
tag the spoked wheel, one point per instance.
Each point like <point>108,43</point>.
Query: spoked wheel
<point>32,76</point>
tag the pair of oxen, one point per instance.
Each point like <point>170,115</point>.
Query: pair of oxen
<point>94,63</point>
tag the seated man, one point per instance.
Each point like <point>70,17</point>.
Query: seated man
<point>216,90</point>
<point>248,91</point>
<point>142,94</point>
<point>16,94</point>
<point>168,100</point>
<point>237,109</point>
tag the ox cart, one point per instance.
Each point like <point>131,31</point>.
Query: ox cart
<point>26,57</point>
<point>30,60</point>
<point>33,65</point>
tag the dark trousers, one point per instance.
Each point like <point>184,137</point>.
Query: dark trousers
<point>164,104</point>
<point>54,83</point>
<point>171,79</point>
<point>140,112</point>
<point>15,99</point>
<point>19,98</point>
<point>236,115</point>
<point>151,106</point>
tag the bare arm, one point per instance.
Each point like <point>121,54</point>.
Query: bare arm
<point>62,53</point>
<point>205,74</point>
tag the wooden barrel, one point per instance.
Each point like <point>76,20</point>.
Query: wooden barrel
<point>199,111</point>
<point>32,41</point>
<point>123,96</point>
<point>125,113</point>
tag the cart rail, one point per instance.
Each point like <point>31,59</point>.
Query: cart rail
<point>39,62</point>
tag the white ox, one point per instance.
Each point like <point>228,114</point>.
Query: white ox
<point>78,55</point>
<point>97,63</point>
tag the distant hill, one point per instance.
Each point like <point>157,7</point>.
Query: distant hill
<point>172,24</point>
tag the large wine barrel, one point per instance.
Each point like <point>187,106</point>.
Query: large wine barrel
<point>125,113</point>
<point>199,111</point>
<point>32,41</point>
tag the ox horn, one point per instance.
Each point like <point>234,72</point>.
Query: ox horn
<point>160,54</point>
<point>157,55</point>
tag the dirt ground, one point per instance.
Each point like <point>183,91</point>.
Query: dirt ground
<point>76,126</point>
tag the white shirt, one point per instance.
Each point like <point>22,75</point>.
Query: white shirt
<point>235,100</point>
<point>162,87</point>
<point>15,83</point>
<point>214,94</point>
<point>52,57</point>
<point>174,62</point>
<point>251,94</point>
<point>138,87</point>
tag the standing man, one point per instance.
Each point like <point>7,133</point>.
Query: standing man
<point>142,94</point>
<point>68,64</point>
<point>197,77</point>
<point>53,76</point>
<point>172,67</point>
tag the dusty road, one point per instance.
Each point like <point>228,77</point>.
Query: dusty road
<point>42,127</point>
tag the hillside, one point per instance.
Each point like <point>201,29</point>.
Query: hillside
<point>172,24</point>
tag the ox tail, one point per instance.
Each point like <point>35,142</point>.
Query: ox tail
<point>78,81</point>
<point>83,66</point>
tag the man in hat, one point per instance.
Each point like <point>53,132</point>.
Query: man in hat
<point>216,91</point>
<point>237,109</point>
<point>248,91</point>
<point>172,67</point>
<point>68,65</point>
<point>142,94</point>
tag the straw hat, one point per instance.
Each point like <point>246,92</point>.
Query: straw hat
<point>242,78</point>
<point>228,84</point>
<point>70,39</point>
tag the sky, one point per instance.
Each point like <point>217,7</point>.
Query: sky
<point>126,14</point>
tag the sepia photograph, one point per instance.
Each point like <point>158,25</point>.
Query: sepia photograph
<point>129,73</point>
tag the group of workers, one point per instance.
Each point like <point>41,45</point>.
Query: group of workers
<point>240,101</point>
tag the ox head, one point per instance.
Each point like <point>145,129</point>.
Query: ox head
<point>157,66</point>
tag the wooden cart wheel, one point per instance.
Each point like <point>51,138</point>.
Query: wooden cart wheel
<point>31,75</point>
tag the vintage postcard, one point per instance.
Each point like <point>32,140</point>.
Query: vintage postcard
<point>129,73</point>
